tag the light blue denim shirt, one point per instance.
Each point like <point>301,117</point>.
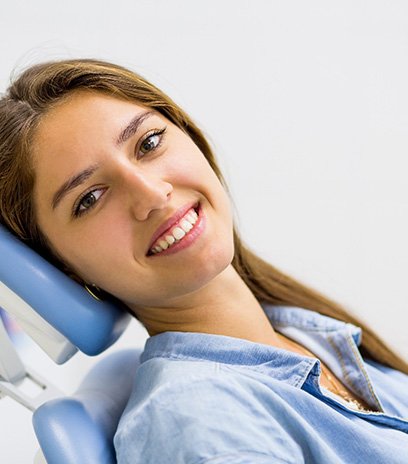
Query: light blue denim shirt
<point>213,399</point>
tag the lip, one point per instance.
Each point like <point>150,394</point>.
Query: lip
<point>169,223</point>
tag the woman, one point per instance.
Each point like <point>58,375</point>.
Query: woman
<point>111,181</point>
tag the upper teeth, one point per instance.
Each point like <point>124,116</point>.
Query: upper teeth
<point>177,233</point>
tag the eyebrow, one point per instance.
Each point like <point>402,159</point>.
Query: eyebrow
<point>72,183</point>
<point>78,179</point>
<point>132,127</point>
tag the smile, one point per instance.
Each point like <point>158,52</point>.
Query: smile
<point>181,235</point>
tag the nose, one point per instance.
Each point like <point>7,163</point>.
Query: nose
<point>145,192</point>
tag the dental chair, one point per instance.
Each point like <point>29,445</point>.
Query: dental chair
<point>62,318</point>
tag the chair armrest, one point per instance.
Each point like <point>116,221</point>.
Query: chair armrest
<point>80,428</point>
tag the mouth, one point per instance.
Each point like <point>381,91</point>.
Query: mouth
<point>182,222</point>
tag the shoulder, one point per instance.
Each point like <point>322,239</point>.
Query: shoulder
<point>200,414</point>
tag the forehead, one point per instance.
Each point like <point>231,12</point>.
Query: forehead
<point>76,133</point>
<point>83,113</point>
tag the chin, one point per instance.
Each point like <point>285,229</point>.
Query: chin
<point>214,265</point>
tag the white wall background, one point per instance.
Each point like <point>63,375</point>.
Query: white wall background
<point>306,104</point>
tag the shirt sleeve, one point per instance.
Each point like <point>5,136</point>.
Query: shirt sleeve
<point>201,420</point>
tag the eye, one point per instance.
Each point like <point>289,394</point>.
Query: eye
<point>152,141</point>
<point>87,202</point>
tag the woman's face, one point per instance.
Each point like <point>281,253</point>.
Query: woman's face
<point>100,196</point>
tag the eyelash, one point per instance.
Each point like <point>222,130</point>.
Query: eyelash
<point>159,132</point>
<point>77,212</point>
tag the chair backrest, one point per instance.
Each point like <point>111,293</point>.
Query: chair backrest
<point>62,318</point>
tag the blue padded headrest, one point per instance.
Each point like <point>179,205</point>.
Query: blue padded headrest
<point>89,324</point>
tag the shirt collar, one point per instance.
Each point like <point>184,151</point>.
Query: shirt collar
<point>231,350</point>
<point>308,321</point>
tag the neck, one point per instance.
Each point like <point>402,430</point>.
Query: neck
<point>226,306</point>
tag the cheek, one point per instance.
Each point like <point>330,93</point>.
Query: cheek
<point>93,251</point>
<point>184,161</point>
<point>190,169</point>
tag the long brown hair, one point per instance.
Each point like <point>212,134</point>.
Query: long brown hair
<point>45,85</point>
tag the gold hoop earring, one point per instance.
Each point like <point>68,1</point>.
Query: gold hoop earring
<point>94,291</point>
